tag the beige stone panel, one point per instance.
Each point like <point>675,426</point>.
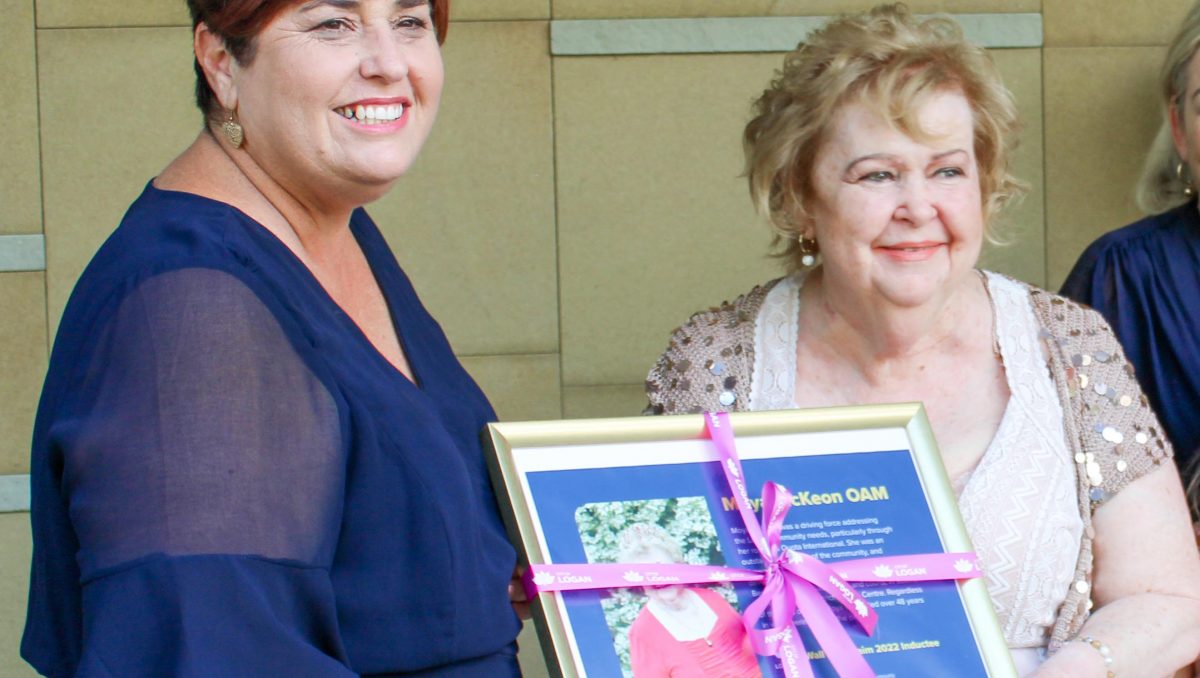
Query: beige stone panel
<point>533,663</point>
<point>75,14</point>
<point>654,220</point>
<point>103,136</point>
<point>16,551</point>
<point>22,362</point>
<point>1101,114</point>
<point>521,387</point>
<point>588,402</point>
<point>1094,23</point>
<point>1023,225</point>
<point>630,9</point>
<point>20,190</point>
<point>473,222</point>
<point>491,10</point>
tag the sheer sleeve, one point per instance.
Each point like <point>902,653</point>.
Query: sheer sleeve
<point>202,471</point>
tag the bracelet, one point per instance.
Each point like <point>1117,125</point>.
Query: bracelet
<point>1100,647</point>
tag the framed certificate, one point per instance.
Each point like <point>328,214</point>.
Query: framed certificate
<point>865,482</point>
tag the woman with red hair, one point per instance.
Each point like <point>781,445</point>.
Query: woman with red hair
<point>255,453</point>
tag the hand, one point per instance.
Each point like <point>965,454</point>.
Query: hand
<point>516,593</point>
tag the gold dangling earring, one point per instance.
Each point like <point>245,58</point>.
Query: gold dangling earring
<point>232,130</point>
<point>1188,190</point>
<point>808,250</point>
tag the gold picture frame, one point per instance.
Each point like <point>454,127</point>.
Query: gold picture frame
<point>530,461</point>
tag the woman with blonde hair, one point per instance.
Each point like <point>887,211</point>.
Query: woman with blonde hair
<point>1144,278</point>
<point>881,153</point>
<point>683,631</point>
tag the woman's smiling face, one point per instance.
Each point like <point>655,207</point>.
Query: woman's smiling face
<point>341,94</point>
<point>897,217</point>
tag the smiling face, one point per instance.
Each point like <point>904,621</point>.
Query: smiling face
<point>899,219</point>
<point>340,96</point>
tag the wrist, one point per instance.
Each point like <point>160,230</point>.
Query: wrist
<point>1099,651</point>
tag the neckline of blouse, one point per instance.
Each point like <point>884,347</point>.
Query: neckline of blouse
<point>270,241</point>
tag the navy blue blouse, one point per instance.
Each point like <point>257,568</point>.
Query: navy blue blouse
<point>229,480</point>
<point>1145,280</point>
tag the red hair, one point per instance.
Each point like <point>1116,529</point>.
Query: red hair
<point>238,22</point>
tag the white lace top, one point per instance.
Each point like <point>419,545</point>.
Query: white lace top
<point>1020,502</point>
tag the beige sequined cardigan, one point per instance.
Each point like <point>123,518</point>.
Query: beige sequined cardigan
<point>1111,431</point>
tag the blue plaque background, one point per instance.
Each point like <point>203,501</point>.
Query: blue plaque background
<point>912,616</point>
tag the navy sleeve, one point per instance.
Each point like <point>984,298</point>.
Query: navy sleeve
<point>192,468</point>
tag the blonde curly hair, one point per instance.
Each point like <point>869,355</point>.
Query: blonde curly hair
<point>891,62</point>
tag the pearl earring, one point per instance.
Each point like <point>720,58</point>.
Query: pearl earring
<point>808,250</point>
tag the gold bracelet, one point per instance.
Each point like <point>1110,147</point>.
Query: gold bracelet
<point>1105,653</point>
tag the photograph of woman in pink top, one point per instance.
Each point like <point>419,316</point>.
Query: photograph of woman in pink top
<point>683,631</point>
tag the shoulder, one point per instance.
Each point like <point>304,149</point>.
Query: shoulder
<point>1113,428</point>
<point>1058,314</point>
<point>198,316</point>
<point>1147,231</point>
<point>643,626</point>
<point>1132,252</point>
<point>168,237</point>
<point>174,223</point>
<point>708,360</point>
<point>728,315</point>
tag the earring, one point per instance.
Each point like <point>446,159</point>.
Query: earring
<point>1188,191</point>
<point>808,250</point>
<point>232,130</point>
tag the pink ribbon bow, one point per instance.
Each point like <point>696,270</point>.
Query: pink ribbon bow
<point>791,579</point>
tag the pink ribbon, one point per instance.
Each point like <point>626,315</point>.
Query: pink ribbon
<point>792,581</point>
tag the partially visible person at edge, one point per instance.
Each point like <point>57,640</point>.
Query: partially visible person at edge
<point>881,151</point>
<point>1145,278</point>
<point>255,453</point>
<point>683,631</point>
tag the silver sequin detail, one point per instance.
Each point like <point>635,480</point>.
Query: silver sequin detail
<point>727,398</point>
